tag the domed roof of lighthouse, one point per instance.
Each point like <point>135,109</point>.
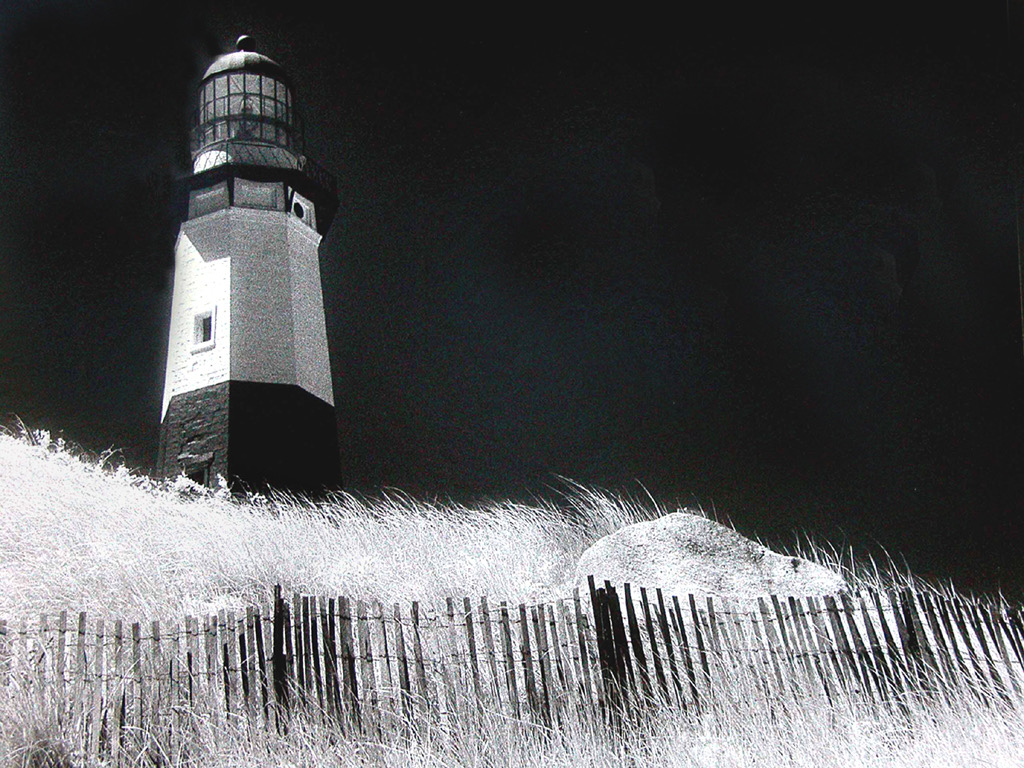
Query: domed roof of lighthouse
<point>246,100</point>
<point>245,59</point>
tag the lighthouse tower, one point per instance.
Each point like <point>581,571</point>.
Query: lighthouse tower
<point>247,392</point>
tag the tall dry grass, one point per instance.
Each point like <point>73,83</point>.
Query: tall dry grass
<point>928,735</point>
<point>78,535</point>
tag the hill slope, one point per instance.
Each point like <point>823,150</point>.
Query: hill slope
<point>76,535</point>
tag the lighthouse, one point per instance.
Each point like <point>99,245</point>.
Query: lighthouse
<point>247,391</point>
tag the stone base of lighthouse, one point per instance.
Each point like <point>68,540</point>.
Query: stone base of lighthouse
<point>279,436</point>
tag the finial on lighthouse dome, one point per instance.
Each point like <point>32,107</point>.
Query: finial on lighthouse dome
<point>245,43</point>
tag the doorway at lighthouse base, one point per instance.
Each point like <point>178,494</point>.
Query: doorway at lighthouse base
<point>279,435</point>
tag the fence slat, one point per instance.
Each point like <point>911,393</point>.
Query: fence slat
<point>467,608</point>
<point>868,676</point>
<point>510,668</point>
<point>781,634</point>
<point>568,664</point>
<point>807,649</point>
<point>234,670</point>
<point>624,662</point>
<point>659,669</point>
<point>826,645</point>
<point>244,652</point>
<point>315,652</point>
<point>79,712</point>
<point>138,711</point>
<point>175,683</point>
<point>421,676</point>
<point>605,673</point>
<point>885,679</point>
<point>964,674</point>
<point>450,667</point>
<point>62,634</point>
<point>774,648</point>
<point>993,630</point>
<point>261,662</point>
<point>350,679</point>
<point>970,645</point>
<point>119,694</point>
<point>544,690</point>
<point>670,653</point>
<point>1018,654</point>
<point>843,646</point>
<point>158,686</point>
<point>308,685</point>
<point>404,681</point>
<point>297,654</point>
<point>492,661</point>
<point>279,659</point>
<point>941,652</point>
<point>676,614</point>
<point>556,668</point>
<point>529,681</point>
<point>702,645</point>
<point>910,638</point>
<point>388,707</point>
<point>94,735</point>
<point>367,673</point>
<point>637,645</point>
<point>325,608</point>
<point>972,613</point>
<point>899,663</point>
<point>713,639</point>
<point>583,642</point>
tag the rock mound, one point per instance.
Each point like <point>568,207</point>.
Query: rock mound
<point>686,554</point>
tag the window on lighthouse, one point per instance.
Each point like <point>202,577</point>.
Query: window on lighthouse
<point>203,331</point>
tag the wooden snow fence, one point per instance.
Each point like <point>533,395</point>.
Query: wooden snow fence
<point>125,690</point>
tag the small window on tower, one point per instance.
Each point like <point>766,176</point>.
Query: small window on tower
<point>203,333</point>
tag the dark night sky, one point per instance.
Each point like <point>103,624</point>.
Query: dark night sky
<point>764,261</point>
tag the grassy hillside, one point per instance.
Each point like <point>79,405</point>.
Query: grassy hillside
<point>77,535</point>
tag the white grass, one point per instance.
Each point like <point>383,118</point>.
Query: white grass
<point>77,536</point>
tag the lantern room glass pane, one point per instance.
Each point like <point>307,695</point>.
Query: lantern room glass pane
<point>235,83</point>
<point>220,85</point>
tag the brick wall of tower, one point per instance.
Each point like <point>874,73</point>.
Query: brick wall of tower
<point>194,432</point>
